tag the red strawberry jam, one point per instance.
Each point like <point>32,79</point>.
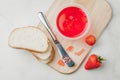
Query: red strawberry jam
<point>72,22</point>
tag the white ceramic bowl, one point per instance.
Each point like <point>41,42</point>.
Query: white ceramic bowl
<point>73,5</point>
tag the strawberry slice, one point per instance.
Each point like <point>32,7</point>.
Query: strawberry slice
<point>94,61</point>
<point>61,63</point>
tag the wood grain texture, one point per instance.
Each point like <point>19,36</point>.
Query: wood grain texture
<point>100,13</point>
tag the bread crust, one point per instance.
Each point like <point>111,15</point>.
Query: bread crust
<point>47,60</point>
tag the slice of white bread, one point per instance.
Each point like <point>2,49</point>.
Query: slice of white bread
<point>28,38</point>
<point>47,57</point>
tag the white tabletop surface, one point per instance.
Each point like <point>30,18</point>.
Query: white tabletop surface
<point>20,65</point>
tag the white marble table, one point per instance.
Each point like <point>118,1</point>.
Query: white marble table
<point>20,65</point>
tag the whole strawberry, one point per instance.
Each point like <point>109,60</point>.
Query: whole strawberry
<point>90,40</point>
<point>94,61</point>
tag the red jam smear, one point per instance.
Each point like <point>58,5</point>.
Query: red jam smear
<point>72,21</point>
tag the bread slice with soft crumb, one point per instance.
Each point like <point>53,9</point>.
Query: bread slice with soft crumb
<point>45,57</point>
<point>28,38</point>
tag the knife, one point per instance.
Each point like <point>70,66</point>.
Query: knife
<point>59,47</point>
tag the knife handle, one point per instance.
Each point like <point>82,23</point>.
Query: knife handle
<point>64,55</point>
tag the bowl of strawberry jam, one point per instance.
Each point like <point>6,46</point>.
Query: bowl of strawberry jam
<point>72,21</point>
